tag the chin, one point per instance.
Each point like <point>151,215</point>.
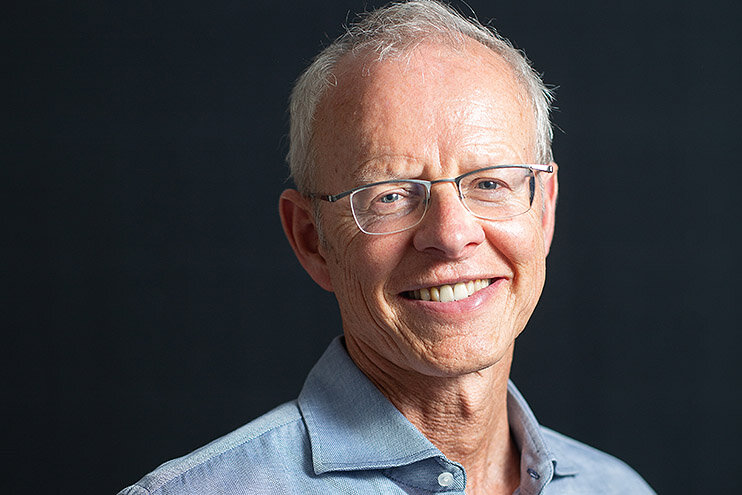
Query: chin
<point>453,359</point>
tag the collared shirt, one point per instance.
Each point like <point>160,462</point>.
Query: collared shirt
<point>343,436</point>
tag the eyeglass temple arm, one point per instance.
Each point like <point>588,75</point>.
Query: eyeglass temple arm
<point>542,168</point>
<point>329,197</point>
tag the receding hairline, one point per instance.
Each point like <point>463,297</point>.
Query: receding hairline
<point>467,46</point>
<point>393,32</point>
<point>357,69</point>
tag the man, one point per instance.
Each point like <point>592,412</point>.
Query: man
<point>420,147</point>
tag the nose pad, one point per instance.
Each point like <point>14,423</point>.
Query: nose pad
<point>448,198</point>
<point>448,229</point>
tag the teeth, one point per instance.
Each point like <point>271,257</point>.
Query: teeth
<point>471,287</point>
<point>459,291</point>
<point>434,294</point>
<point>424,294</point>
<point>448,293</point>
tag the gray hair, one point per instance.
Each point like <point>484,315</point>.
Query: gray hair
<point>393,31</point>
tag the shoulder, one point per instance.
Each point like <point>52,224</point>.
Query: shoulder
<point>246,457</point>
<point>594,471</point>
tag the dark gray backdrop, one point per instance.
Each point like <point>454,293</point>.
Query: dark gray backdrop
<point>153,304</point>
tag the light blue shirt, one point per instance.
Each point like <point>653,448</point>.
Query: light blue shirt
<point>343,436</point>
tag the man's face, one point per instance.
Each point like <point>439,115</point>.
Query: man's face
<point>437,115</point>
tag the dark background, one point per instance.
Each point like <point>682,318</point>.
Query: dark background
<point>153,304</point>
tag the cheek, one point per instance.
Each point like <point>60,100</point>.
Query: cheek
<point>521,244</point>
<point>360,265</point>
<point>360,276</point>
<point>376,260</point>
<point>520,241</point>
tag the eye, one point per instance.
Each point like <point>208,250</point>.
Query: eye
<point>390,197</point>
<point>488,185</point>
<point>487,188</point>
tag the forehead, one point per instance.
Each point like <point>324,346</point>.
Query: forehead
<point>436,110</point>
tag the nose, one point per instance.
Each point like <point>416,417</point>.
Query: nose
<point>448,229</point>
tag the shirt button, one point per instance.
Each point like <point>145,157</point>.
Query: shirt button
<point>445,479</point>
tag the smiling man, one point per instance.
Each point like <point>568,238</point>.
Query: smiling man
<point>425,201</point>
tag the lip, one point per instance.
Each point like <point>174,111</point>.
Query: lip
<point>466,305</point>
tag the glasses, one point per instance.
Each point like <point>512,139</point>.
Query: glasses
<point>492,193</point>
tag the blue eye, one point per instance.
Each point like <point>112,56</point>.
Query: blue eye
<point>389,198</point>
<point>488,185</point>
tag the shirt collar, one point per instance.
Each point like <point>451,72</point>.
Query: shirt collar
<point>352,426</point>
<point>535,453</point>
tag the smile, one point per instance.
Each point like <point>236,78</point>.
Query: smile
<point>448,293</point>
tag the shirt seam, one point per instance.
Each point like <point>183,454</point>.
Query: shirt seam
<point>211,458</point>
<point>395,460</point>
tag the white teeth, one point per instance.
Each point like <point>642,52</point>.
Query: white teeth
<point>448,293</point>
<point>459,291</point>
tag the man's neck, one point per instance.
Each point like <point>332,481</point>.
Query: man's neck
<point>465,416</point>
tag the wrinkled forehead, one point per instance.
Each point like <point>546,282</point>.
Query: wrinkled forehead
<point>430,100</point>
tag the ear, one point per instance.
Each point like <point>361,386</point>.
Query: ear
<point>298,225</point>
<point>551,191</point>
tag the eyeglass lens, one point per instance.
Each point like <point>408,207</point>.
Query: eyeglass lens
<point>493,194</point>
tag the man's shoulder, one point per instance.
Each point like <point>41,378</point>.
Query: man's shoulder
<point>594,468</point>
<point>277,438</point>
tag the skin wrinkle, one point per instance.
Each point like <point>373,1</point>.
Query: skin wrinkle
<point>378,38</point>
<point>450,413</point>
<point>372,131</point>
<point>446,372</point>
